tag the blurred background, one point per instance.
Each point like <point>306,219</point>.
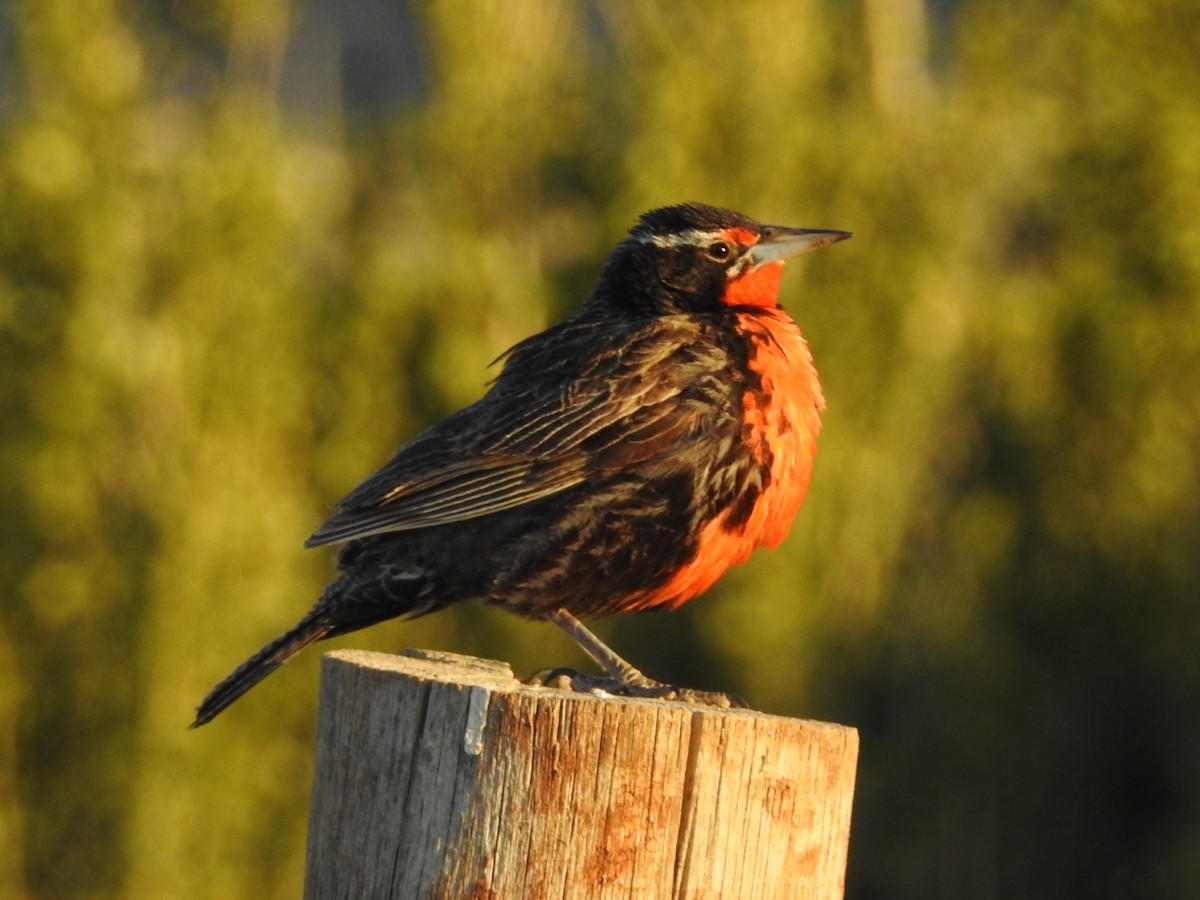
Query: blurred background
<point>248,248</point>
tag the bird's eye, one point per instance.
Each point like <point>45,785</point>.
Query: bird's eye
<point>718,251</point>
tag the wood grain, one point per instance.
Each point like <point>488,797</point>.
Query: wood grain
<point>447,778</point>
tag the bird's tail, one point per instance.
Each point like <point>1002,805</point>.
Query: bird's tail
<point>312,627</point>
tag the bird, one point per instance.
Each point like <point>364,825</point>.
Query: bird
<point>621,460</point>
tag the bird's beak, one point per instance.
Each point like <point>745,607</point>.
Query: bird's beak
<point>779,243</point>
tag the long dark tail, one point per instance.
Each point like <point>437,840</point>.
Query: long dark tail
<point>312,627</point>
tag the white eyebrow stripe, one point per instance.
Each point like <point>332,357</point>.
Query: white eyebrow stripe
<point>692,237</point>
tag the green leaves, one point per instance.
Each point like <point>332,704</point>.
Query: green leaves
<point>219,309</point>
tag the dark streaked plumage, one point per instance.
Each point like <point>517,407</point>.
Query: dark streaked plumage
<point>621,460</point>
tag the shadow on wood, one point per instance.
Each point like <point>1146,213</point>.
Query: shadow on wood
<point>444,777</point>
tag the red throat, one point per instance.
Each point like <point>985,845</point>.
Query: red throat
<point>758,287</point>
<point>782,422</point>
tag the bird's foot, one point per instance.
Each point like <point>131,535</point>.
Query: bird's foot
<point>641,686</point>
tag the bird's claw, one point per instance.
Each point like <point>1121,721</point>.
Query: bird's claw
<point>560,678</point>
<point>570,680</point>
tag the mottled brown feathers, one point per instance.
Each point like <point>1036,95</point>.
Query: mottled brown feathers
<point>622,459</point>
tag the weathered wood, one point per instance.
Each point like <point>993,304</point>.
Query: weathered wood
<point>447,778</point>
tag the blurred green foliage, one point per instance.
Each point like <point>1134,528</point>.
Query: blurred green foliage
<point>219,309</point>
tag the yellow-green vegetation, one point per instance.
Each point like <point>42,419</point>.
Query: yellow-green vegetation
<point>224,297</point>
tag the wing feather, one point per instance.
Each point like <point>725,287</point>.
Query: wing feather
<point>541,430</point>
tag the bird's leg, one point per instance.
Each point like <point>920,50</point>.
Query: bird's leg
<point>603,655</point>
<point>626,679</point>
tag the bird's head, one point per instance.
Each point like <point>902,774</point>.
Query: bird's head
<point>697,258</point>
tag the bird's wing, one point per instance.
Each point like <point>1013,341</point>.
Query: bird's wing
<point>455,493</point>
<point>529,438</point>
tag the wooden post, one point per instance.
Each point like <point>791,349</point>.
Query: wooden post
<point>443,777</point>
